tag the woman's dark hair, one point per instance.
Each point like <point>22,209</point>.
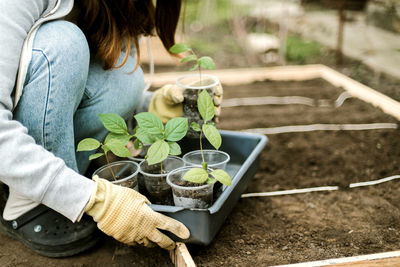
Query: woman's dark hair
<point>111,26</point>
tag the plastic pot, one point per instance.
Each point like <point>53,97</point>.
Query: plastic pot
<point>189,195</point>
<point>125,172</point>
<point>156,187</point>
<point>139,158</point>
<point>216,159</point>
<point>192,87</point>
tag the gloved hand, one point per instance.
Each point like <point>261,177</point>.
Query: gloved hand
<point>166,102</point>
<point>124,214</point>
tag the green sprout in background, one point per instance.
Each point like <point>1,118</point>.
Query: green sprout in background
<point>205,62</point>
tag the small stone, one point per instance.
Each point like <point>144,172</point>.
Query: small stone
<point>240,241</point>
<point>311,205</point>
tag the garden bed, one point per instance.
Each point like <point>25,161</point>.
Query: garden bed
<point>320,225</point>
<point>291,228</point>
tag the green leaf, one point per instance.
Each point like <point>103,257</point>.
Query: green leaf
<point>222,176</point>
<point>118,148</point>
<point>196,175</point>
<point>205,105</point>
<point>213,136</point>
<point>179,48</point>
<point>123,138</point>
<point>113,123</point>
<point>195,126</point>
<point>206,63</point>
<point>211,180</point>
<point>195,66</point>
<point>137,144</point>
<point>176,129</point>
<point>149,123</point>
<point>174,149</point>
<point>145,138</point>
<point>95,156</point>
<point>189,58</point>
<point>88,144</point>
<point>135,129</point>
<point>157,152</point>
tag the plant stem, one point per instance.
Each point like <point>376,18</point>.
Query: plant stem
<point>112,172</point>
<point>161,167</point>
<point>201,151</point>
<point>193,53</point>
<point>200,76</point>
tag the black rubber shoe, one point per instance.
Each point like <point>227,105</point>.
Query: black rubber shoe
<point>50,234</point>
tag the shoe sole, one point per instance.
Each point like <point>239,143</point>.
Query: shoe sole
<point>48,251</point>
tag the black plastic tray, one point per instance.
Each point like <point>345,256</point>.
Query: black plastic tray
<point>244,150</point>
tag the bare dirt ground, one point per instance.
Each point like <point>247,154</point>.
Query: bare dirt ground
<point>293,228</point>
<point>312,226</point>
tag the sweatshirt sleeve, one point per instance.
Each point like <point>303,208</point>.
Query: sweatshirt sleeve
<point>25,166</point>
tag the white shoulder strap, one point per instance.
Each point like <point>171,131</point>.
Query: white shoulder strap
<point>151,65</point>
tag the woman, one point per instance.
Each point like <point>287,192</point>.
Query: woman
<point>55,77</point>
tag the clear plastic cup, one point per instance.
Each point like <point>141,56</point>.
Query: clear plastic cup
<point>215,159</point>
<point>125,171</point>
<point>157,189</point>
<point>192,87</point>
<point>188,195</point>
<point>139,177</point>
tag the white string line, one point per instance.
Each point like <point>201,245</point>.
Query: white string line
<point>316,189</point>
<point>290,192</point>
<point>321,127</point>
<point>148,85</point>
<point>267,100</point>
<point>284,100</point>
<point>315,127</point>
<point>338,102</point>
<point>383,180</point>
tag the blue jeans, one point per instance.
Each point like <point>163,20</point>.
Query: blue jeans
<point>65,89</point>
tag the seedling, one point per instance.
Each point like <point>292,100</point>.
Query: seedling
<point>205,62</point>
<point>161,138</point>
<point>115,141</point>
<point>205,106</point>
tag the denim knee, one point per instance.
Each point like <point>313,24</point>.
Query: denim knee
<point>54,87</point>
<point>65,47</point>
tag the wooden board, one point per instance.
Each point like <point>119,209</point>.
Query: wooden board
<point>370,260</point>
<point>181,257</point>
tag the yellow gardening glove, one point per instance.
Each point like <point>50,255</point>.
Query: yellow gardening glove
<point>166,102</point>
<point>124,214</point>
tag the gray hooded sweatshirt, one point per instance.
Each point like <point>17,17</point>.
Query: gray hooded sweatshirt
<point>26,167</point>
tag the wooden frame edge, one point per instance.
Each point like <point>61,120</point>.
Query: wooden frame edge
<point>181,257</point>
<point>370,260</point>
<point>361,91</point>
<point>247,75</point>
